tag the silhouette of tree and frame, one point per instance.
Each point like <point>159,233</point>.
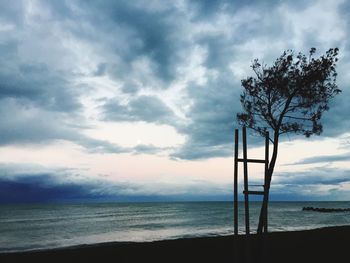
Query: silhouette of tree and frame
<point>288,97</point>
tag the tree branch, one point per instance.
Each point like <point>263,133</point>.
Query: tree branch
<point>297,118</point>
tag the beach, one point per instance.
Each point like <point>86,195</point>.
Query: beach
<point>328,244</point>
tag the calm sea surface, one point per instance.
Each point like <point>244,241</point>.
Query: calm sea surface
<point>26,227</point>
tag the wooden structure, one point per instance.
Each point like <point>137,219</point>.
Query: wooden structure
<point>245,160</point>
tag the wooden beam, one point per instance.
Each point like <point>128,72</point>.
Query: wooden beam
<point>235,186</point>
<point>254,192</point>
<point>252,160</point>
<point>267,141</point>
<point>245,170</point>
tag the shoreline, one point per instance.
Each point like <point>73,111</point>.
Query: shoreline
<point>316,245</point>
<point>116,243</point>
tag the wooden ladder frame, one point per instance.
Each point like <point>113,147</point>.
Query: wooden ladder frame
<point>246,191</point>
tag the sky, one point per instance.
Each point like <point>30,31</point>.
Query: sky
<point>136,100</point>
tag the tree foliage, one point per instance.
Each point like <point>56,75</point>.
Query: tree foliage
<point>291,95</point>
<point>288,97</point>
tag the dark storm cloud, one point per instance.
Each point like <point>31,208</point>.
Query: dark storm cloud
<point>13,12</point>
<point>336,121</point>
<point>212,116</point>
<point>142,44</point>
<point>128,30</point>
<point>142,108</point>
<point>315,176</point>
<point>32,183</point>
<point>23,125</point>
<point>52,185</point>
<point>196,151</point>
<point>325,159</point>
<point>36,188</point>
<point>213,128</point>
<point>46,92</point>
<point>101,146</point>
<point>36,101</point>
<point>154,29</point>
<point>27,183</point>
<point>148,149</point>
<point>130,87</point>
<point>320,183</point>
<point>33,188</point>
<point>39,102</point>
<point>35,84</point>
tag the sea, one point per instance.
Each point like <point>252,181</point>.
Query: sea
<point>42,226</point>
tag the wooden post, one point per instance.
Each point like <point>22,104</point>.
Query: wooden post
<point>245,170</point>
<point>267,140</point>
<point>235,185</point>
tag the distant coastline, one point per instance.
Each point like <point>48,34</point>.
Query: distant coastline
<point>325,210</point>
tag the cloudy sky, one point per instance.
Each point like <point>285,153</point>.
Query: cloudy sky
<point>136,100</point>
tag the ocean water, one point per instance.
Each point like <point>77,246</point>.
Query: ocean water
<point>40,226</point>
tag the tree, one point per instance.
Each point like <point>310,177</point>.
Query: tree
<point>288,97</point>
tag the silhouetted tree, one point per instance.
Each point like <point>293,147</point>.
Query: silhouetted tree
<point>288,97</point>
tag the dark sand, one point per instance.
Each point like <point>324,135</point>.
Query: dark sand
<point>320,245</point>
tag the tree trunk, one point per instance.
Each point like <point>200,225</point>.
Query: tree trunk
<point>263,210</point>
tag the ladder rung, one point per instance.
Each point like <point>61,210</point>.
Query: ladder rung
<point>254,192</point>
<point>252,160</point>
<point>257,185</point>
